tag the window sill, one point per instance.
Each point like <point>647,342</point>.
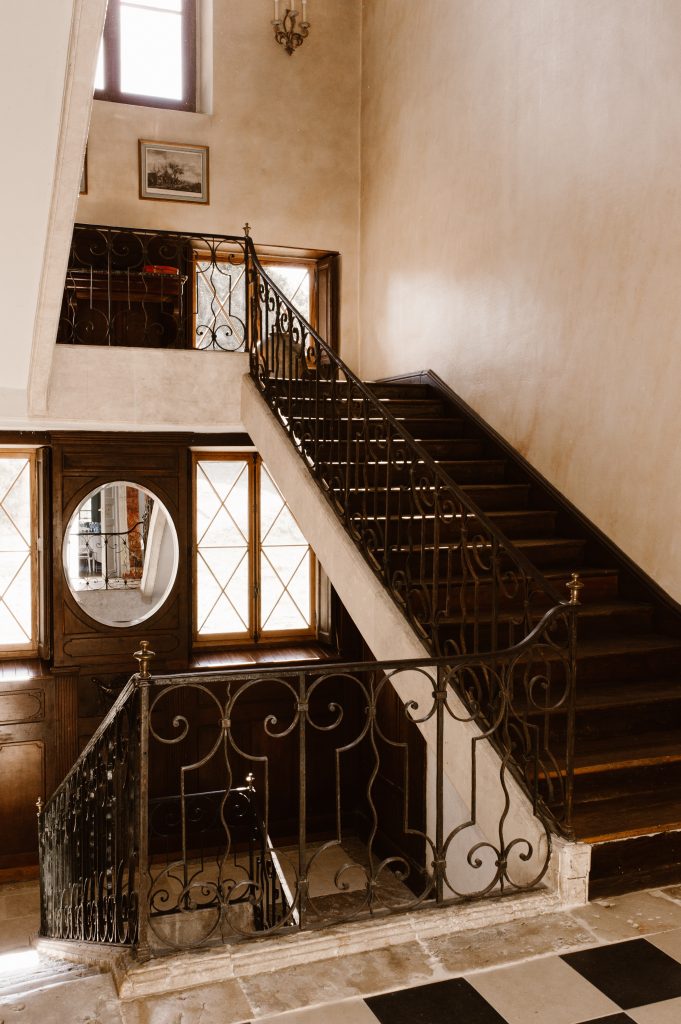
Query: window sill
<point>142,104</point>
<point>251,656</point>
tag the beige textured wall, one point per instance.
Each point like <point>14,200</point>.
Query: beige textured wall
<point>521,235</point>
<point>283,137</point>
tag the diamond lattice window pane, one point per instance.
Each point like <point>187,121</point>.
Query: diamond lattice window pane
<point>220,305</point>
<point>16,606</point>
<point>285,599</point>
<point>222,569</point>
<point>294,283</point>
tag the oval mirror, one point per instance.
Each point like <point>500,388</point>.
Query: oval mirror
<point>120,554</point>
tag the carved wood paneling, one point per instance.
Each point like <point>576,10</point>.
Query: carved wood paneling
<point>26,745</point>
<point>22,770</point>
<point>17,707</point>
<point>81,463</point>
<point>65,721</point>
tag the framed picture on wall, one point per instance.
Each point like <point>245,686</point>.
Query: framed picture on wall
<point>173,171</point>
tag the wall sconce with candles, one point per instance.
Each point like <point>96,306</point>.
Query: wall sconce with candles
<point>287,31</point>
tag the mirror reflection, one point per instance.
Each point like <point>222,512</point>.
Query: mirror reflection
<point>120,554</point>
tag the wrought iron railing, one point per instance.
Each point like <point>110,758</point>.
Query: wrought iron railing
<point>158,289</point>
<point>92,834</point>
<point>464,586</point>
<point>503,666</point>
<point>150,842</point>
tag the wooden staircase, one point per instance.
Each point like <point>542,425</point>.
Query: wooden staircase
<point>628,707</point>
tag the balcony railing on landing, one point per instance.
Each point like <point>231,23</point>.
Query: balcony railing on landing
<point>154,289</point>
<point>151,842</point>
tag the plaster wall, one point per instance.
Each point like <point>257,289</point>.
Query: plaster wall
<point>283,135</point>
<point>143,389</point>
<point>521,227</point>
<point>34,66</point>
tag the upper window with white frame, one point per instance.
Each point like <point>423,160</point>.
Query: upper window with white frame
<point>148,54</point>
<point>18,553</point>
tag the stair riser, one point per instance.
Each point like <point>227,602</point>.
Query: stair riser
<point>627,782</point>
<point>401,530</point>
<point>327,407</point>
<point>508,498</point>
<point>615,723</point>
<point>635,622</point>
<point>488,471</point>
<point>449,561</point>
<point>628,665</point>
<point>342,388</point>
<point>481,593</point>
<point>337,446</point>
<point>563,553</point>
<point>632,864</point>
<point>596,588</point>
<point>451,449</point>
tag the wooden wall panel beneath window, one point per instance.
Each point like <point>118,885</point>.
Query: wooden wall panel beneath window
<point>82,463</point>
<point>26,745</point>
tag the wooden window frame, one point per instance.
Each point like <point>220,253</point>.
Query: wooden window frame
<point>254,634</point>
<point>226,256</point>
<point>112,70</point>
<point>29,649</point>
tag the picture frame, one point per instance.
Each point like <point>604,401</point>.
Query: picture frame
<point>83,176</point>
<point>173,172</point>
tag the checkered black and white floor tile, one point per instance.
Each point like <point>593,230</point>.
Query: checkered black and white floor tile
<point>632,982</point>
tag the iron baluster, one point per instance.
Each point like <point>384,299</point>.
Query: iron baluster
<point>303,882</point>
<point>440,696</point>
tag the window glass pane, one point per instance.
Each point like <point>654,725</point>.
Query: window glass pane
<point>220,305</point>
<point>16,618</point>
<point>284,564</point>
<point>294,282</point>
<point>222,544</point>
<point>151,52</point>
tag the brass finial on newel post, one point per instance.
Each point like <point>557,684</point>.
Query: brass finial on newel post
<point>39,805</point>
<point>144,657</point>
<point>574,585</point>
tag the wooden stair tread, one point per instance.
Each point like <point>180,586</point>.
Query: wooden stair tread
<point>598,755</point>
<point>522,514</point>
<point>626,643</point>
<point>626,668</point>
<point>595,610</point>
<point>645,813</point>
<point>608,694</point>
<point>522,542</point>
<point>585,572</point>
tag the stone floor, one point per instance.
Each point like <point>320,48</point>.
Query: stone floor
<point>614,961</point>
